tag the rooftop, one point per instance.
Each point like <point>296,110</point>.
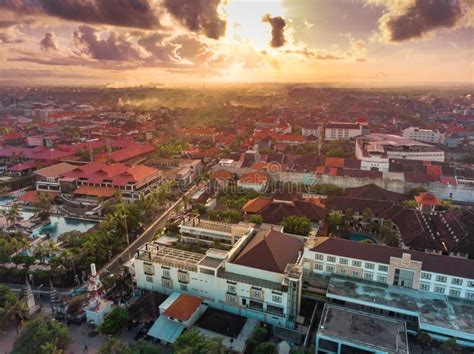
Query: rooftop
<point>432,309</point>
<point>378,333</point>
<point>170,256</point>
<point>183,307</point>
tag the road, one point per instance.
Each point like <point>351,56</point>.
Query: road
<point>146,236</point>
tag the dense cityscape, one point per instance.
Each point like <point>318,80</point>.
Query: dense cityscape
<point>249,216</point>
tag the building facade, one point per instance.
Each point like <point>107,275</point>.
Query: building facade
<point>425,135</point>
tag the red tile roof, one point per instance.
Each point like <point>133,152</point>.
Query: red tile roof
<point>254,178</point>
<point>335,162</point>
<point>183,307</point>
<point>32,196</point>
<point>255,205</point>
<point>427,198</point>
<point>269,250</point>
<point>131,151</point>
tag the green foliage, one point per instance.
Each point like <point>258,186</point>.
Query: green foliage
<point>192,342</point>
<point>236,199</point>
<point>450,346</point>
<point>200,209</point>
<point>258,337</point>
<point>229,216</point>
<point>298,225</point>
<point>43,204</point>
<point>171,148</point>
<point>335,220</point>
<point>388,235</point>
<point>424,339</point>
<point>256,219</point>
<point>266,348</point>
<point>114,322</point>
<point>42,336</point>
<point>326,189</point>
<point>410,204</point>
<point>11,307</point>
<point>116,346</point>
<point>11,243</point>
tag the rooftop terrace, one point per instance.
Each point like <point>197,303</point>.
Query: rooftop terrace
<point>169,256</point>
<point>445,312</point>
<point>378,333</point>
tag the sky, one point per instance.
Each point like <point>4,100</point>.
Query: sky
<point>122,43</point>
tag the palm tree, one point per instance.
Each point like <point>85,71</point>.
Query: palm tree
<point>44,205</point>
<point>12,214</point>
<point>16,310</point>
<point>69,258</point>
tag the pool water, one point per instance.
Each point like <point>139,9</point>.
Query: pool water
<point>6,199</point>
<point>362,237</point>
<point>60,225</point>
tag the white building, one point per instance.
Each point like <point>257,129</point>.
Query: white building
<point>431,291</point>
<point>341,130</point>
<point>425,135</point>
<point>193,229</point>
<point>311,129</point>
<point>259,277</point>
<point>375,150</point>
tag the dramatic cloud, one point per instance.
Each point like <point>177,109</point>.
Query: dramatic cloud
<point>49,42</point>
<point>198,16</point>
<point>278,25</point>
<point>9,33</point>
<point>115,46</point>
<point>319,54</point>
<point>414,19</point>
<point>125,13</point>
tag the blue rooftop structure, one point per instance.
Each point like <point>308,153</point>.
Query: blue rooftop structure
<point>166,330</point>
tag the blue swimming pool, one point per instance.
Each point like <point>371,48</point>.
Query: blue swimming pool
<point>60,225</point>
<point>6,199</point>
<point>362,237</point>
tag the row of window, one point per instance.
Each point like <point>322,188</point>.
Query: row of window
<point>354,263</point>
<point>443,279</point>
<point>355,274</point>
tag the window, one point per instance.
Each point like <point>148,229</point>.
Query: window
<point>276,298</point>
<point>357,263</point>
<point>456,281</point>
<point>439,289</point>
<point>183,287</point>
<point>319,256</point>
<point>256,293</point>
<point>231,289</point>
<point>329,268</point>
<point>426,276</point>
<point>470,284</point>
<point>167,283</point>
<point>383,268</point>
<point>344,261</point>
<point>318,266</point>
<point>382,278</point>
<point>425,286</point>
<point>148,268</point>
<point>356,274</point>
<point>166,273</point>
<point>469,295</point>
<point>331,259</point>
<point>183,277</point>
<point>455,292</point>
<point>231,298</point>
<point>441,278</point>
<point>368,276</point>
<point>149,278</point>
<point>276,310</point>
<point>342,271</point>
<point>369,266</point>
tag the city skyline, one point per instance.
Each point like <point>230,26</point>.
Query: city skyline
<point>130,43</point>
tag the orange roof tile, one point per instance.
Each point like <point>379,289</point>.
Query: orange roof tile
<point>255,205</point>
<point>335,162</point>
<point>32,196</point>
<point>254,177</point>
<point>183,307</point>
<point>427,198</point>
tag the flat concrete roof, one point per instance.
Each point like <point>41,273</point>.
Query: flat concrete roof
<point>363,329</point>
<point>434,310</point>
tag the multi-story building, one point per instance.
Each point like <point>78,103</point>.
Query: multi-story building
<point>193,229</point>
<point>375,151</point>
<point>425,135</point>
<point>260,277</point>
<point>433,293</point>
<point>341,130</point>
<point>311,129</point>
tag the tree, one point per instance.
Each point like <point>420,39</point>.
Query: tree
<point>335,219</point>
<point>258,336</point>
<point>424,339</point>
<point>43,336</point>
<point>388,235</point>
<point>43,204</point>
<point>266,348</point>
<point>367,215</point>
<point>298,225</point>
<point>192,342</point>
<point>12,214</point>
<point>114,322</point>
<point>415,191</point>
<point>450,346</point>
<point>12,308</point>
<point>256,219</point>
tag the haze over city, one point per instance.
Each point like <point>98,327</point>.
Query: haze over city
<point>128,43</point>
